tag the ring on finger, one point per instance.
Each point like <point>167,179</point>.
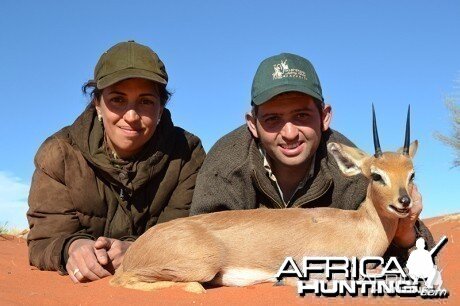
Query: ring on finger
<point>75,271</point>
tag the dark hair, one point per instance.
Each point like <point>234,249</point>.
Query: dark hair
<point>90,88</point>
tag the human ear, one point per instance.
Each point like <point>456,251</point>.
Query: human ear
<point>251,123</point>
<point>160,114</point>
<point>97,105</point>
<point>326,117</point>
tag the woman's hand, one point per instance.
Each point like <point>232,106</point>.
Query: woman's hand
<point>83,264</point>
<point>92,260</point>
<point>111,251</point>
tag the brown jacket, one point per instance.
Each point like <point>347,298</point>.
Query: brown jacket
<point>233,177</point>
<point>77,191</point>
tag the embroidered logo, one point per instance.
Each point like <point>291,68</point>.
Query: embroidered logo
<point>282,70</point>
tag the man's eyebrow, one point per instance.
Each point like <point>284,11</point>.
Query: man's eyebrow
<point>303,109</point>
<point>298,110</point>
<point>270,114</point>
<point>123,94</point>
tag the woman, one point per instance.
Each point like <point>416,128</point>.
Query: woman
<point>119,169</point>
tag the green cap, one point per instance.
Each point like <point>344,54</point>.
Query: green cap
<point>128,60</point>
<point>282,73</point>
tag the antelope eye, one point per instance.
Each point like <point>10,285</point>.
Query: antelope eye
<point>412,177</point>
<point>377,178</point>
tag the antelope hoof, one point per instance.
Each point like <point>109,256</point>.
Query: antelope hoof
<point>194,287</point>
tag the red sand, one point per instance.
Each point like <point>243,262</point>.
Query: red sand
<point>22,284</point>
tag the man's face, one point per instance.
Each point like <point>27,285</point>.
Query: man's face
<point>289,128</point>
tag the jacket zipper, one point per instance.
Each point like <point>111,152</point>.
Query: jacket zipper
<point>265,193</point>
<point>293,206</point>
<point>128,212</point>
<point>326,190</point>
<point>122,194</point>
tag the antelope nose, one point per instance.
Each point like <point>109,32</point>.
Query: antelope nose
<point>404,200</point>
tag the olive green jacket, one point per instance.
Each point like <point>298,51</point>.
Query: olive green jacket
<point>78,191</point>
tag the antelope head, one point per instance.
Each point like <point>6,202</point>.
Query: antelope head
<point>390,174</point>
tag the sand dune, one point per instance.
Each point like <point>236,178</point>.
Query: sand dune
<point>22,284</point>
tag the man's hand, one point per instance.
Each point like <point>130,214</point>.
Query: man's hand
<point>83,264</point>
<point>112,249</point>
<point>405,233</point>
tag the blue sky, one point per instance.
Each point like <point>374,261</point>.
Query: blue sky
<point>390,53</point>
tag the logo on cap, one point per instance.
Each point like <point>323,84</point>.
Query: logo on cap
<point>282,71</point>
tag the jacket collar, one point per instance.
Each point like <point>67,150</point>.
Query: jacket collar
<point>273,178</point>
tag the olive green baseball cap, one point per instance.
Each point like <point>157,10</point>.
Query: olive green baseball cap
<point>128,60</point>
<point>283,73</point>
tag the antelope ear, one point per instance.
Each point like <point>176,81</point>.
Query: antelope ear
<point>348,159</point>
<point>412,149</point>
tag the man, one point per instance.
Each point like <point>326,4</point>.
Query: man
<point>279,158</point>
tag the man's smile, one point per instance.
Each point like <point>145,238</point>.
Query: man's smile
<point>292,149</point>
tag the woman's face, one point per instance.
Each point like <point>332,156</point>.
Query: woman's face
<point>130,111</point>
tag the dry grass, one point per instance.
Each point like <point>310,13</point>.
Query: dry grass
<point>5,230</point>
<point>452,102</point>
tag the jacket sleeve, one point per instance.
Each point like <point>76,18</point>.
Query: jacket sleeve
<point>221,186</point>
<point>402,253</point>
<point>52,217</point>
<point>181,198</point>
<point>215,193</point>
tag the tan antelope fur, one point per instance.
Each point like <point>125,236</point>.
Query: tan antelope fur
<point>245,247</point>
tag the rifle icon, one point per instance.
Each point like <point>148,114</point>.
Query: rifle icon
<point>435,250</point>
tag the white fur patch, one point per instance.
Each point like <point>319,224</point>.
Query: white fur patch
<point>245,277</point>
<point>383,174</point>
<point>409,175</point>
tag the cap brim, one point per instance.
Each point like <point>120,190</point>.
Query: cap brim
<point>268,94</point>
<point>128,74</point>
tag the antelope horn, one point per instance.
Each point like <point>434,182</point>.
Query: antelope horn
<point>378,150</point>
<point>407,137</point>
